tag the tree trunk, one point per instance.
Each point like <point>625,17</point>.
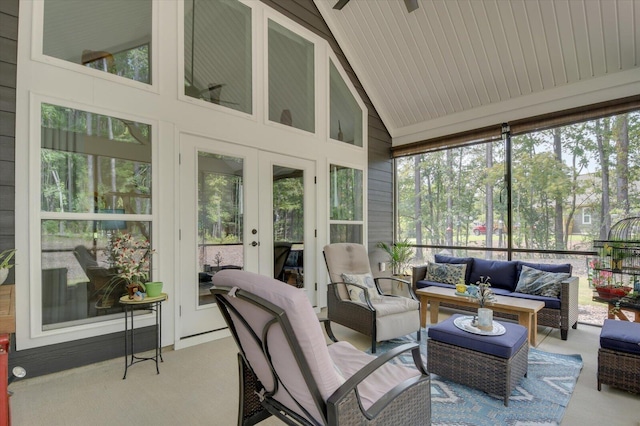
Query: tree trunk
<point>558,222</point>
<point>622,163</point>
<point>602,139</point>
<point>417,204</point>
<point>489,198</point>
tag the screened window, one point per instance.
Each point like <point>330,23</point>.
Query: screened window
<point>291,79</point>
<point>346,205</point>
<point>217,49</point>
<point>345,112</point>
<point>95,196</point>
<point>569,185</point>
<point>111,36</point>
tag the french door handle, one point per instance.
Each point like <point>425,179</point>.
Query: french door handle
<point>254,243</point>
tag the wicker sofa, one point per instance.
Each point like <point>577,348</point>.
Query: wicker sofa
<point>560,312</point>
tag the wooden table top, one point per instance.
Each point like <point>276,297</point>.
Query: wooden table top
<point>515,304</point>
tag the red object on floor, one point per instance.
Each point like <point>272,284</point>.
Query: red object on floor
<point>5,415</point>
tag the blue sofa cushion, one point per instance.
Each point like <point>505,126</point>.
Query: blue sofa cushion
<point>540,283</point>
<point>503,273</point>
<point>440,258</point>
<point>547,267</point>
<point>549,302</point>
<point>620,336</point>
<point>504,346</point>
<point>448,273</point>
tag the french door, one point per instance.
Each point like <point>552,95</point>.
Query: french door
<point>241,208</point>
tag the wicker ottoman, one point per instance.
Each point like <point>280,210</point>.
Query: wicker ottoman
<point>494,364</point>
<point>619,355</point>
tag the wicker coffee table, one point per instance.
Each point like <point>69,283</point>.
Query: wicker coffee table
<point>525,309</point>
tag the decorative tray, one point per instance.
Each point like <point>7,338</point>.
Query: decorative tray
<point>465,294</point>
<point>464,323</point>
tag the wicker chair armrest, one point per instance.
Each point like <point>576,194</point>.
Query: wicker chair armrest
<point>348,389</point>
<point>368,306</point>
<point>569,301</point>
<point>418,273</point>
<point>399,281</point>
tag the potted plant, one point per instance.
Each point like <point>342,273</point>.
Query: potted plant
<point>5,265</point>
<point>400,255</point>
<point>129,260</point>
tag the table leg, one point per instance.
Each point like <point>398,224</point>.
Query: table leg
<point>524,319</point>
<point>434,309</point>
<point>423,311</point>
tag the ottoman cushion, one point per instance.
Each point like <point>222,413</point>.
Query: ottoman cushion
<point>621,336</point>
<point>504,346</point>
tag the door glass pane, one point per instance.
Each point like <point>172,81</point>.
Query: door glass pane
<point>220,218</point>
<point>346,115</point>
<point>341,233</point>
<point>291,79</point>
<point>288,225</point>
<point>111,36</point>
<point>217,53</point>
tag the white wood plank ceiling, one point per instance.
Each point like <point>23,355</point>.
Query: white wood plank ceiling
<point>455,65</point>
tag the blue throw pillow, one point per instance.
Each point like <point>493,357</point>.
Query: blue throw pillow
<point>440,258</point>
<point>502,273</point>
<point>447,273</point>
<point>547,267</point>
<point>540,283</point>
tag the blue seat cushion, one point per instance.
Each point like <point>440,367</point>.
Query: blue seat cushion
<point>425,283</point>
<point>504,346</point>
<point>440,258</point>
<point>502,273</point>
<point>621,336</point>
<point>549,302</point>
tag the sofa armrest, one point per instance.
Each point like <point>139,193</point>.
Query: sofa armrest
<point>418,273</point>
<point>569,302</point>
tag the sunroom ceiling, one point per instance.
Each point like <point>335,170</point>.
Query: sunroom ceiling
<point>455,65</point>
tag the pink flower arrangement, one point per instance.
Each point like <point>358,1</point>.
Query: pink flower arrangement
<point>131,258</point>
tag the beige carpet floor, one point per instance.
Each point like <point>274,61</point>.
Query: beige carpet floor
<point>199,386</point>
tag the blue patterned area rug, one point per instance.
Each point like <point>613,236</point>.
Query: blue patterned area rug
<point>539,400</point>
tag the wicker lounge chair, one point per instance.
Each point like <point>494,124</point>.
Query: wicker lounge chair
<point>287,370</point>
<point>380,316</point>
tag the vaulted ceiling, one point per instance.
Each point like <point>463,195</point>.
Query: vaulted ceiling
<point>456,65</point>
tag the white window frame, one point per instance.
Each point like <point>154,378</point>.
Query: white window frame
<point>363,107</point>
<point>364,200</point>
<point>37,35</point>
<point>32,306</point>
<point>586,216</point>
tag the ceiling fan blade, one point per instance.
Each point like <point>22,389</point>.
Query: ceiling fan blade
<point>340,4</point>
<point>411,5</point>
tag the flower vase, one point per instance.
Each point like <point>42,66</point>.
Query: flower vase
<point>4,272</point>
<point>485,319</point>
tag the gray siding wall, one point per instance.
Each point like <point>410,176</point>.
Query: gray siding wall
<point>74,354</point>
<point>8,59</point>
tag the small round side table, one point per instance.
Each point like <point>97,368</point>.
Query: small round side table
<point>152,304</point>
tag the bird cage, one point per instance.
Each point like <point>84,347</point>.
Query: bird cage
<point>621,251</point>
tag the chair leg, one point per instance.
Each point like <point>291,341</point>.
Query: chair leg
<point>327,328</point>
<point>563,334</point>
<point>419,333</point>
<point>373,344</point>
